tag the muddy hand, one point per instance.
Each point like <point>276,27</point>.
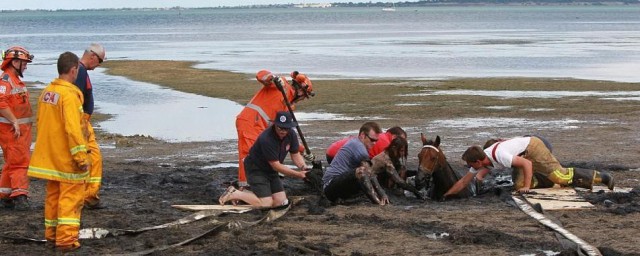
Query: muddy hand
<point>524,190</point>
<point>385,201</point>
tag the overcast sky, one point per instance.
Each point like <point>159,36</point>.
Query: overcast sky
<point>92,4</point>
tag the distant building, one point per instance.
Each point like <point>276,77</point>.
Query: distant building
<point>317,5</point>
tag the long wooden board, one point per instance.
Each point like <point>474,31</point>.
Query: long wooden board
<point>195,207</point>
<point>604,189</point>
<point>557,198</point>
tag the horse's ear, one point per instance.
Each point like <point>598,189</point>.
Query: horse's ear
<point>437,143</point>
<point>423,138</point>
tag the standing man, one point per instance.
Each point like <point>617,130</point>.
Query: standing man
<point>60,155</point>
<point>340,180</point>
<point>265,161</point>
<point>93,56</point>
<point>15,129</point>
<point>526,155</point>
<point>258,113</point>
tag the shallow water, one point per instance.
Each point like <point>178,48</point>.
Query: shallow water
<point>411,43</point>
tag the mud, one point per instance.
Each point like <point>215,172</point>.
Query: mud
<point>140,186</point>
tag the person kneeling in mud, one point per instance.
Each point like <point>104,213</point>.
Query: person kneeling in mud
<point>265,161</point>
<point>344,178</point>
<point>527,155</point>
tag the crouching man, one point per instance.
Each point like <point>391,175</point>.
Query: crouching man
<point>345,177</point>
<point>527,155</point>
<point>60,155</point>
<point>265,161</point>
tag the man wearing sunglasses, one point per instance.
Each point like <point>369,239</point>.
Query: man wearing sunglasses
<point>15,129</point>
<point>92,57</point>
<point>384,140</point>
<point>340,180</point>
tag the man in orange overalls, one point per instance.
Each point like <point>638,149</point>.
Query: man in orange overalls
<point>15,129</point>
<point>260,111</point>
<point>60,155</point>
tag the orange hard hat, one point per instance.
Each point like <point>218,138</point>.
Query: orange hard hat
<point>301,81</point>
<point>15,52</point>
<point>264,77</point>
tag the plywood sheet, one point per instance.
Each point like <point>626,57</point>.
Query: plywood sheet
<point>607,190</point>
<point>557,198</point>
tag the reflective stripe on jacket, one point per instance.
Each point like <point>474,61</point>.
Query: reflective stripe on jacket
<point>60,145</point>
<point>266,103</point>
<point>15,96</point>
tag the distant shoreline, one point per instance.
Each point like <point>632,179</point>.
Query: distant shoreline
<point>399,5</point>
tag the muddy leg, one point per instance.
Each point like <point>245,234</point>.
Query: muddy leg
<point>384,199</point>
<point>365,184</point>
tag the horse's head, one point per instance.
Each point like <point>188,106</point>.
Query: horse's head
<point>430,156</point>
<point>432,164</point>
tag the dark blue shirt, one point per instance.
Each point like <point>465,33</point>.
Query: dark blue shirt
<point>268,147</point>
<point>84,84</point>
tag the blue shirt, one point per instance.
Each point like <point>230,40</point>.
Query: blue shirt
<point>347,159</point>
<point>268,147</point>
<point>84,84</point>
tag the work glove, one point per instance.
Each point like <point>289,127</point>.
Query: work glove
<point>309,157</point>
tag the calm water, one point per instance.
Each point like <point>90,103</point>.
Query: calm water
<point>423,43</point>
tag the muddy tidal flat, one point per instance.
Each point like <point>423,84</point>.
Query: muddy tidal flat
<point>591,124</point>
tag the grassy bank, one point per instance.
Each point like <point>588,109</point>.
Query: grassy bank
<point>362,97</point>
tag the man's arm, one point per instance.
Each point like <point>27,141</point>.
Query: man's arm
<point>527,170</point>
<point>481,173</point>
<point>298,161</point>
<point>460,184</point>
<point>281,168</point>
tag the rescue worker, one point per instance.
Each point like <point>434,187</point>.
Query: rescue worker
<point>265,162</point>
<point>258,113</point>
<point>60,155</point>
<point>93,56</point>
<point>526,155</point>
<point>15,129</point>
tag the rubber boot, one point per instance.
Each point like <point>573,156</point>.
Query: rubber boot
<point>583,178</point>
<point>604,178</point>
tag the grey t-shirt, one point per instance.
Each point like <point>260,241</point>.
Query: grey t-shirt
<point>347,159</point>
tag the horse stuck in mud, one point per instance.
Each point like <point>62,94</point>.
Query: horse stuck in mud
<point>435,172</point>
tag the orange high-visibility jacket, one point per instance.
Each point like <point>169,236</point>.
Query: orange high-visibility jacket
<point>60,145</point>
<point>262,108</point>
<point>14,95</point>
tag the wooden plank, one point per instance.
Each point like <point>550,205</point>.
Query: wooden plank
<point>557,198</point>
<point>607,190</point>
<point>196,207</point>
